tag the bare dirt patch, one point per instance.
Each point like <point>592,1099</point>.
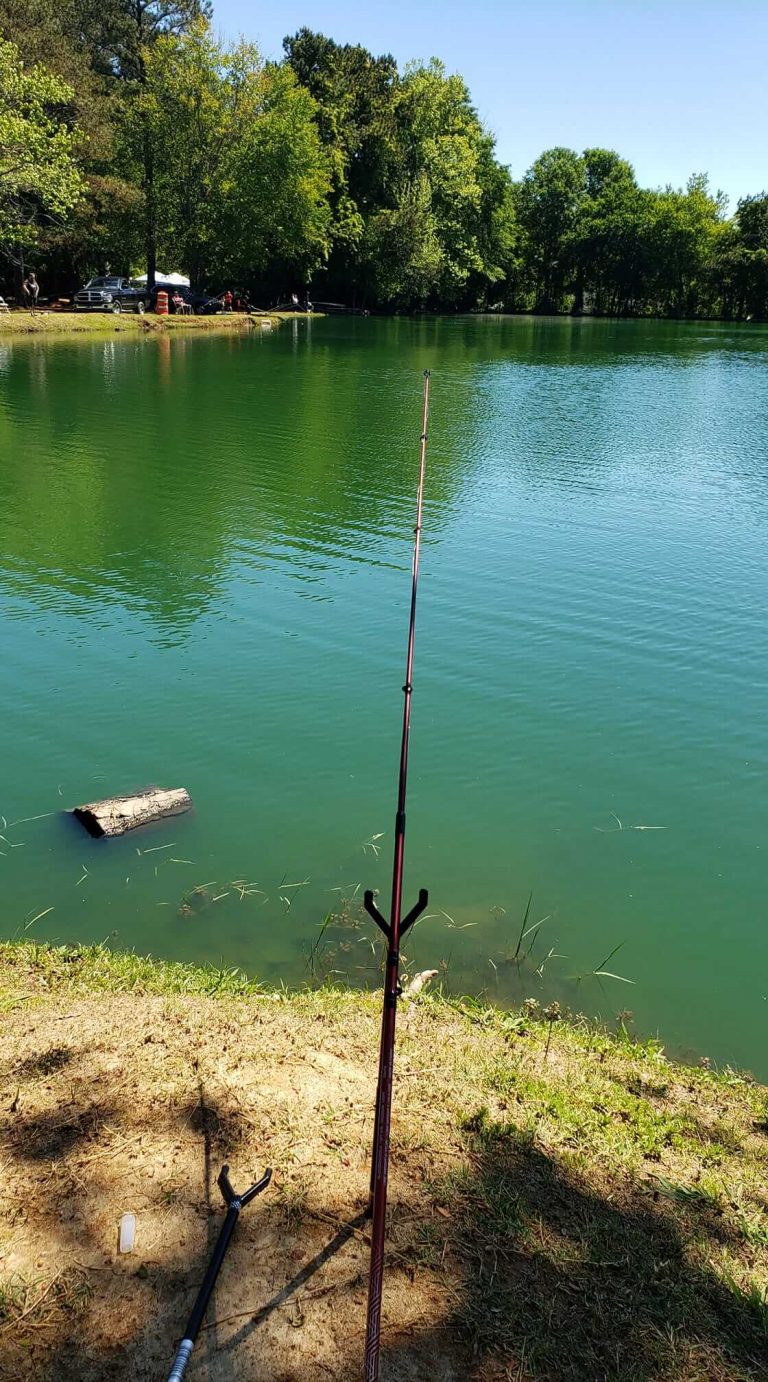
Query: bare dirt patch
<point>564,1205</point>
<point>123,1104</point>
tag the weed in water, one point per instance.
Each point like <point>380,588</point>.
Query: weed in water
<point>600,971</point>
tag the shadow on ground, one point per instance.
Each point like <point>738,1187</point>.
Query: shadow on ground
<point>559,1282</point>
<point>503,1261</point>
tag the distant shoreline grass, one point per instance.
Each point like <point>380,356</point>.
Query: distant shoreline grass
<point>43,323</point>
<point>567,1202</point>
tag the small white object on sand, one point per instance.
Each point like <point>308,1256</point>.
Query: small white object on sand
<point>127,1233</point>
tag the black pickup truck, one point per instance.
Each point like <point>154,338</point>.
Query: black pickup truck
<point>110,295</point>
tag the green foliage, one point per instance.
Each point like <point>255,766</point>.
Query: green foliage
<point>38,176</point>
<point>589,234</point>
<point>401,257</point>
<point>106,225</point>
<point>240,176</point>
<point>549,202</point>
<point>274,211</point>
<point>421,211</point>
<point>96,969</point>
<point>740,261</point>
<point>465,194</point>
<point>680,230</point>
<point>355,96</point>
<point>381,187</point>
<point>605,244</point>
<point>120,33</point>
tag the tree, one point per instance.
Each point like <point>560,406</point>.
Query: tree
<point>678,234</point>
<point>355,95</point>
<point>740,267</point>
<point>119,33</point>
<point>105,224</point>
<point>605,234</point>
<point>242,178</point>
<point>752,232</point>
<point>445,144</point>
<point>39,179</point>
<point>549,203</point>
<point>120,37</point>
<point>586,226</point>
<point>422,212</point>
<point>401,255</point>
<point>178,123</point>
<point>274,216</point>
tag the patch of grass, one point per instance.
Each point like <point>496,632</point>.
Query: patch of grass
<point>704,1195</point>
<point>27,325</point>
<point>754,1228</point>
<point>14,1291</point>
<point>647,1087</point>
<point>29,970</point>
<point>753,1293</point>
<point>761,1120</point>
<point>592,1284</point>
<point>290,1201</point>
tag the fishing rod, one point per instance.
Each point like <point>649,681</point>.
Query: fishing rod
<point>234,1203</point>
<point>394,930</point>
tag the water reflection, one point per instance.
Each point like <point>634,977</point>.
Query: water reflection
<point>147,488</point>
<point>204,548</point>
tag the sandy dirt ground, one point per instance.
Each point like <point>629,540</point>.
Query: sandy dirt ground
<point>566,1205</point>
<point>113,1104</point>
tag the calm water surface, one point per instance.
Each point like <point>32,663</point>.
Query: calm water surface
<point>204,556</point>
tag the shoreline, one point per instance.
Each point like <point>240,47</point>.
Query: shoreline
<point>18,325</point>
<point>565,1202</point>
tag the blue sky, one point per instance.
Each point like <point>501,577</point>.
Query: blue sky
<point>676,87</point>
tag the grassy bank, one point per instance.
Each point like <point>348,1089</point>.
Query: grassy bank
<point>21,324</point>
<point>565,1203</point>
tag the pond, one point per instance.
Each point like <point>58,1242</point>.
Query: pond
<point>204,581</point>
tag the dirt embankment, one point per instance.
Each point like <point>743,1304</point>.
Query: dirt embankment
<point>565,1204</point>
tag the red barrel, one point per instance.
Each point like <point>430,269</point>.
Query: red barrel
<point>161,306</point>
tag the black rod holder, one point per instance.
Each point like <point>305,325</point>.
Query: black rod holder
<point>234,1203</point>
<point>407,921</point>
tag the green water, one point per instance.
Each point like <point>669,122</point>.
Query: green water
<point>204,558</point>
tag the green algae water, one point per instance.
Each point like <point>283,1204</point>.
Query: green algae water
<point>204,580</point>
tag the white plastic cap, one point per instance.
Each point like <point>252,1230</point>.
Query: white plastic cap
<point>127,1233</point>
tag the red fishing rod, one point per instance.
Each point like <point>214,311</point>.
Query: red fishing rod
<point>394,930</point>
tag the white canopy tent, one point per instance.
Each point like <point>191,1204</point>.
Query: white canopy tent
<point>174,280</point>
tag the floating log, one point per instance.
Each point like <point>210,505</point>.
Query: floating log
<point>118,814</point>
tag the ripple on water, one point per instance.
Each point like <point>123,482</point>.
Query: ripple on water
<point>212,589</point>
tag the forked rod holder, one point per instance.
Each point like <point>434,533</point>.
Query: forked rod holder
<point>234,1203</point>
<point>408,919</point>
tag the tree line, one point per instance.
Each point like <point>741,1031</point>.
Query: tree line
<point>131,136</point>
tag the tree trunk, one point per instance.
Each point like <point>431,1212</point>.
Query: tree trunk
<point>116,815</point>
<point>578,295</point>
<point>151,214</point>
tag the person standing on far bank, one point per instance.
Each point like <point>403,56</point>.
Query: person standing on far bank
<point>30,288</point>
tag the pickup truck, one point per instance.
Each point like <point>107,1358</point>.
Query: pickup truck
<point>110,295</point>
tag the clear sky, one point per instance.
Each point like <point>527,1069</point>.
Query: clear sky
<point>675,86</point>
